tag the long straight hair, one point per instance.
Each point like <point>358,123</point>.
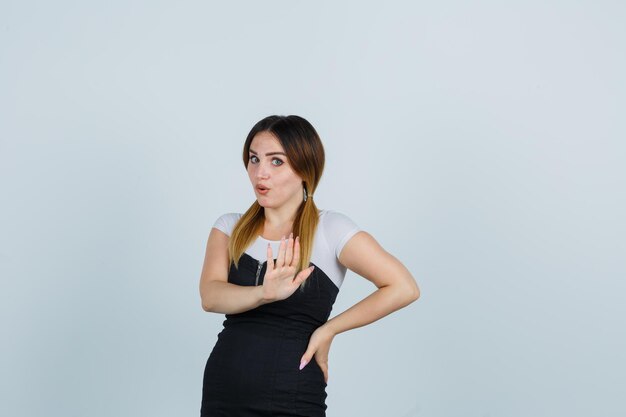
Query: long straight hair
<point>305,153</point>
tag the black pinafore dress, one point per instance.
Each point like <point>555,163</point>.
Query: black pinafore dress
<point>253,369</point>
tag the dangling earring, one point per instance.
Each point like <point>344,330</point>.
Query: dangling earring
<point>306,196</point>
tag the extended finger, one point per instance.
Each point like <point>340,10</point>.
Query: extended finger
<point>304,274</point>
<point>289,254</point>
<point>270,258</point>
<point>280,261</point>
<point>296,251</point>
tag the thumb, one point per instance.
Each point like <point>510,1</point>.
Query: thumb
<point>306,358</point>
<point>303,274</point>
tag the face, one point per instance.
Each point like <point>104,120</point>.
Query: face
<point>268,166</point>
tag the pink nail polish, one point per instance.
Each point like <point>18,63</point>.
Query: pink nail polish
<point>303,364</point>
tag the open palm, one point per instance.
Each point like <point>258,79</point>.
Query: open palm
<point>280,279</point>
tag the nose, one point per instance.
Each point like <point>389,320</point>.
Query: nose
<point>262,171</point>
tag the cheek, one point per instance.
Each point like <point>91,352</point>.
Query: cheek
<point>292,185</point>
<point>288,181</point>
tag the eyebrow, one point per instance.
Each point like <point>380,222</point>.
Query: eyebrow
<point>270,153</point>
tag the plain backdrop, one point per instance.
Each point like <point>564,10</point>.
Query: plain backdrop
<point>481,143</point>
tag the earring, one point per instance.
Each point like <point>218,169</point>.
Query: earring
<point>306,196</point>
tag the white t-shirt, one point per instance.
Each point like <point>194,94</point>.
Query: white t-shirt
<point>334,230</point>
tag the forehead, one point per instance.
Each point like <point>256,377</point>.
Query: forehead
<point>266,142</point>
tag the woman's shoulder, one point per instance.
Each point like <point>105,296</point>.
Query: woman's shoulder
<point>231,215</point>
<point>226,222</point>
<point>338,228</point>
<point>334,216</point>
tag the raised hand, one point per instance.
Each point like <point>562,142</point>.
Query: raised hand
<point>279,282</point>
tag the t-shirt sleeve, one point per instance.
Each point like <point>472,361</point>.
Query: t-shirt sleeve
<point>226,222</point>
<point>338,229</point>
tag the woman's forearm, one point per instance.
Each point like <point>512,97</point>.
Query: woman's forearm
<point>227,298</point>
<point>380,303</point>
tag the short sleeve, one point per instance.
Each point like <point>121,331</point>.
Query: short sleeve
<point>226,222</point>
<point>338,229</point>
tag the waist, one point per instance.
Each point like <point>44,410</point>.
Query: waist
<point>272,326</point>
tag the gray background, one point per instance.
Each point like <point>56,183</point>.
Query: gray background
<point>481,143</point>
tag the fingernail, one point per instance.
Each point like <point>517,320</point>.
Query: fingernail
<point>303,364</point>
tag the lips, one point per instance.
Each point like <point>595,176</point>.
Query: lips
<point>262,189</point>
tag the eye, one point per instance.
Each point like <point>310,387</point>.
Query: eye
<point>254,161</point>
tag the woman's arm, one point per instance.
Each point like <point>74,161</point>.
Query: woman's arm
<point>396,286</point>
<point>228,298</point>
<point>396,289</point>
<point>216,293</point>
<point>280,280</point>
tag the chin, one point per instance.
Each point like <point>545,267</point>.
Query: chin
<point>261,203</point>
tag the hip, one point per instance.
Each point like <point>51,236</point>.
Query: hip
<point>255,367</point>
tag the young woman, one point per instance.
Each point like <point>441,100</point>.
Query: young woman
<point>275,272</point>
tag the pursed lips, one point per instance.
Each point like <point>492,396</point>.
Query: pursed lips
<point>261,189</point>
